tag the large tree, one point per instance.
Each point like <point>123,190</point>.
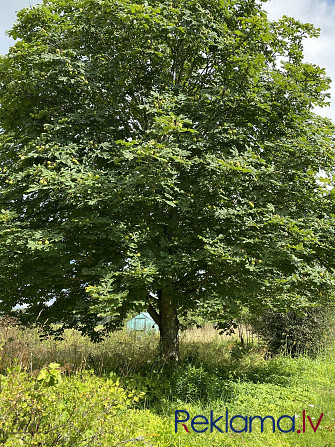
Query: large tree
<point>161,155</point>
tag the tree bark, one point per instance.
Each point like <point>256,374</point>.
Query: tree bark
<point>169,326</point>
<point>167,320</point>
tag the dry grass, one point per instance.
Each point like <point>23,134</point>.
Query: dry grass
<point>123,351</point>
<point>203,335</point>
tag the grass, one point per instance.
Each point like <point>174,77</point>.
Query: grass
<point>283,386</point>
<point>215,373</point>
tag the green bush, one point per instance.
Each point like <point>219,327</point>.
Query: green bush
<point>78,411</point>
<point>294,334</point>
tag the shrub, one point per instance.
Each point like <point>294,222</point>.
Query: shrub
<point>294,334</point>
<point>78,411</point>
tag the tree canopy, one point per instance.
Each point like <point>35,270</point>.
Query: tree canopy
<point>162,155</point>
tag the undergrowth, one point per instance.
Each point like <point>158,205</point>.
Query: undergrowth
<point>215,374</point>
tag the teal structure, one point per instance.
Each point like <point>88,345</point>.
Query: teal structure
<point>142,322</point>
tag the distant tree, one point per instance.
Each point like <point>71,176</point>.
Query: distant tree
<point>161,155</point>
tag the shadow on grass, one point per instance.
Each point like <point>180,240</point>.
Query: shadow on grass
<point>207,371</point>
<point>203,376</point>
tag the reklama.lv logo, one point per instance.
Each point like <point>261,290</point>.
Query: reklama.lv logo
<point>200,423</point>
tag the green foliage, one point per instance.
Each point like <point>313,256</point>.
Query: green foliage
<point>192,383</point>
<point>49,376</point>
<point>81,411</point>
<point>157,155</point>
<point>295,334</point>
<point>84,410</point>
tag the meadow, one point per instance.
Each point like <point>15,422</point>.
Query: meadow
<point>74,392</point>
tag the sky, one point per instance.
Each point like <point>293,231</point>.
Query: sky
<point>317,51</point>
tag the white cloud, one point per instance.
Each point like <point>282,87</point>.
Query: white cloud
<point>317,51</point>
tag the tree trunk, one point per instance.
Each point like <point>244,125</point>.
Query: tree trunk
<point>168,323</point>
<point>169,327</point>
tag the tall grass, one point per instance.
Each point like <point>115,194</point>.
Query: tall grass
<point>215,373</point>
<point>122,351</point>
